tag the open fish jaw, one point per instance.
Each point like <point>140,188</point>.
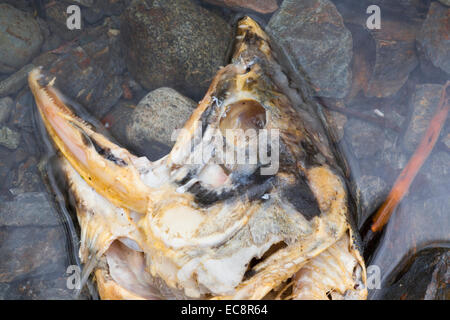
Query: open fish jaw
<point>181,228</point>
<point>102,164</point>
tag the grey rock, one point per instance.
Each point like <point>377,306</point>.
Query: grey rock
<point>157,116</point>
<point>52,42</point>
<point>45,287</point>
<point>384,58</point>
<point>446,140</point>
<point>15,82</point>
<point>86,3</point>
<point>92,15</point>
<point>20,38</point>
<point>7,163</point>
<point>425,277</point>
<point>395,56</point>
<point>57,21</point>
<point>27,178</point>
<point>6,106</point>
<point>23,110</point>
<point>437,171</point>
<point>89,74</point>
<point>364,138</point>
<point>394,62</point>
<point>28,209</point>
<point>261,6</point>
<point>337,122</point>
<point>22,5</point>
<point>355,11</point>
<point>106,49</point>
<point>446,2</point>
<point>117,120</point>
<point>102,8</point>
<point>414,226</point>
<point>31,251</point>
<point>9,138</point>
<point>423,104</point>
<point>433,41</point>
<point>318,43</point>
<point>45,30</point>
<point>4,287</point>
<point>372,192</point>
<point>174,43</point>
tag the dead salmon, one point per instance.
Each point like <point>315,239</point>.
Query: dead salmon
<point>249,204</point>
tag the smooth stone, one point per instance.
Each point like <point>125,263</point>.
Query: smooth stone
<point>28,209</point>
<point>15,82</point>
<point>423,103</point>
<point>372,192</point>
<point>44,287</point>
<point>57,21</point>
<point>424,277</point>
<point>9,138</point>
<point>364,138</point>
<point>30,251</point>
<point>318,43</point>
<point>174,43</point>
<point>157,116</point>
<point>433,40</point>
<point>261,6</point>
<point>89,74</point>
<point>6,106</point>
<point>20,38</point>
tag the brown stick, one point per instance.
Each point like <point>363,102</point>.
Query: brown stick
<point>365,117</point>
<point>406,177</point>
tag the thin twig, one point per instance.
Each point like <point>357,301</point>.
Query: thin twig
<point>406,177</point>
<point>362,116</point>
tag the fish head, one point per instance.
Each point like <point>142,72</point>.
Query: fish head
<point>246,198</point>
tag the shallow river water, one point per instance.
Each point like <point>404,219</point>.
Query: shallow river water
<point>137,69</point>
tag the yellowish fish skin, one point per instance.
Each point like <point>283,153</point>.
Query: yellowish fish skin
<point>167,230</point>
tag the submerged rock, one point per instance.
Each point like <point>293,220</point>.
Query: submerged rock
<point>372,192</point>
<point>117,119</point>
<point>15,82</point>
<point>20,38</point>
<point>28,209</point>
<point>156,118</point>
<point>313,34</point>
<point>86,3</point>
<point>6,106</point>
<point>337,122</point>
<point>423,104</point>
<point>89,74</point>
<point>57,21</point>
<point>437,171</point>
<point>425,277</point>
<point>383,58</point>
<point>365,139</point>
<point>27,179</point>
<point>433,40</point>
<point>9,138</point>
<point>31,251</point>
<point>45,287</point>
<point>261,6</point>
<point>174,43</point>
<point>394,61</point>
<point>101,8</point>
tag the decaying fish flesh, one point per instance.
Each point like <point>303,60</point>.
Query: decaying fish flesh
<point>179,228</point>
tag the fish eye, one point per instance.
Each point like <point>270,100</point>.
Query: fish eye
<point>244,114</point>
